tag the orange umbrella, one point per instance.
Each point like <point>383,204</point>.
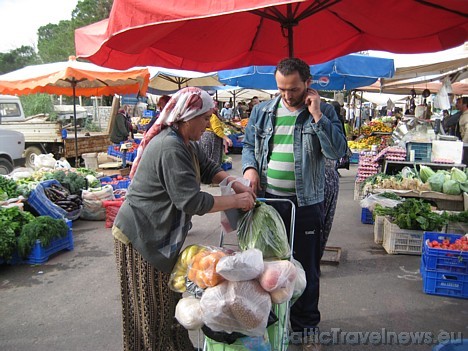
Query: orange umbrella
<point>74,78</point>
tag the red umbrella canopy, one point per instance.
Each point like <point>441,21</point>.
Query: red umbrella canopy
<point>208,35</point>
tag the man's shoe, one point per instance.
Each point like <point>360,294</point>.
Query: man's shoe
<point>311,346</point>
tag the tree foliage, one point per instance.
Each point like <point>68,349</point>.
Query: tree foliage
<point>56,42</point>
<point>18,58</point>
<point>37,103</point>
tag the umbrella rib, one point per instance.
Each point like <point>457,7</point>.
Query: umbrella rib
<point>311,9</point>
<point>440,7</point>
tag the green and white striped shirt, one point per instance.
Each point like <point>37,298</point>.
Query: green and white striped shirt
<point>280,173</point>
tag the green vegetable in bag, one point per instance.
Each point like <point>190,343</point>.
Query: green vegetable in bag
<point>262,228</point>
<point>451,187</point>
<point>425,173</point>
<point>436,181</point>
<point>458,175</point>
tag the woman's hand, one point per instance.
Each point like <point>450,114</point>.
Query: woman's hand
<point>245,201</point>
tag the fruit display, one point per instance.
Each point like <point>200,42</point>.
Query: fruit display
<point>364,143</point>
<point>458,245</point>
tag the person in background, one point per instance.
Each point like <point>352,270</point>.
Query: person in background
<point>226,112</point>
<point>332,187</point>
<point>213,139</point>
<point>254,101</point>
<point>153,221</point>
<point>160,105</point>
<point>452,126</point>
<point>122,129</point>
<point>462,106</point>
<point>286,142</point>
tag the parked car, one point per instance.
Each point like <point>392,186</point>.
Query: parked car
<point>11,150</point>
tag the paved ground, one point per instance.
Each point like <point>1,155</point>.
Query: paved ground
<point>72,302</point>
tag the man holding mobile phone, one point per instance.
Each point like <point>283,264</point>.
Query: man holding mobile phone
<point>286,142</point>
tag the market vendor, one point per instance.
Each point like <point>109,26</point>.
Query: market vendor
<point>122,128</point>
<point>153,222</point>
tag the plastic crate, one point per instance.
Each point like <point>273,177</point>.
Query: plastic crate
<point>444,261</point>
<point>237,139</point>
<point>422,151</point>
<point>226,166</point>
<point>358,192</point>
<point>354,159</point>
<point>444,284</point>
<point>40,254</point>
<point>366,216</point>
<point>379,229</point>
<point>401,241</point>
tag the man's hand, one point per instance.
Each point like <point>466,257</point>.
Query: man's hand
<point>312,102</point>
<point>252,175</point>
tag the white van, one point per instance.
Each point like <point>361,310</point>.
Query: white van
<point>11,150</point>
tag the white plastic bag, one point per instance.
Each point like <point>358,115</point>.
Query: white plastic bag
<point>371,201</point>
<point>277,274</point>
<point>188,313</point>
<point>300,283</point>
<point>93,210</point>
<point>229,218</point>
<point>241,307</point>
<point>244,265</point>
<point>44,161</point>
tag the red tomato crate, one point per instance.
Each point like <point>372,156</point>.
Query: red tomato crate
<point>440,260</point>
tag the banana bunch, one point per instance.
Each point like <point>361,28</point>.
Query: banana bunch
<point>364,143</point>
<point>144,121</point>
<point>179,273</point>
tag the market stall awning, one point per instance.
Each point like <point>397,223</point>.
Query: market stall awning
<point>343,73</point>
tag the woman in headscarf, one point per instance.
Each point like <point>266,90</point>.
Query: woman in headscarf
<point>154,220</point>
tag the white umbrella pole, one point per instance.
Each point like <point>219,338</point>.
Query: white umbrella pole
<point>74,122</point>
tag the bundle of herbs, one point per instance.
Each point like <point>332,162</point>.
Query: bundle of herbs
<point>43,228</point>
<point>12,221</point>
<point>416,214</point>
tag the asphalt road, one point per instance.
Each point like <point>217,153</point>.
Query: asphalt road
<point>72,302</point>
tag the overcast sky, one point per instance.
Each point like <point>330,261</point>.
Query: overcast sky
<point>20,20</point>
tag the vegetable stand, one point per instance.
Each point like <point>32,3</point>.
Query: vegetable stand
<point>277,332</point>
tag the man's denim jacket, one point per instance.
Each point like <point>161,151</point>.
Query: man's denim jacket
<point>312,143</point>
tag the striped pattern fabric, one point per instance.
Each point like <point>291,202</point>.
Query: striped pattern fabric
<point>280,173</point>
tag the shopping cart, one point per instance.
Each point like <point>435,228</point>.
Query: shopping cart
<point>277,332</point>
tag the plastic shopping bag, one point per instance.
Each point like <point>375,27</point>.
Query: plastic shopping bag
<point>229,218</point>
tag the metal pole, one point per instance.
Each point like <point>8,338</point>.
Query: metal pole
<point>74,122</point>
<point>290,32</point>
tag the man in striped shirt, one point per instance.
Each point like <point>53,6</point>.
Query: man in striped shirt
<point>286,142</point>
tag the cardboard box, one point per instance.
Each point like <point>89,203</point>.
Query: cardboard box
<point>452,150</point>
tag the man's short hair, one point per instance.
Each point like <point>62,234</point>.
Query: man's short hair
<point>291,65</point>
<point>464,100</point>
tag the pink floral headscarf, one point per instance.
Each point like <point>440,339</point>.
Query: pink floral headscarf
<point>184,105</point>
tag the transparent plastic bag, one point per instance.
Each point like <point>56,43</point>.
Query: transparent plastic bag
<point>300,283</point>
<point>188,313</point>
<point>240,266</point>
<point>230,217</point>
<point>278,278</point>
<point>242,307</point>
<point>371,201</point>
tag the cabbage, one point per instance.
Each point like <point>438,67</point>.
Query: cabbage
<point>262,228</point>
<point>425,173</point>
<point>458,175</point>
<point>436,181</point>
<point>464,187</point>
<point>451,187</point>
